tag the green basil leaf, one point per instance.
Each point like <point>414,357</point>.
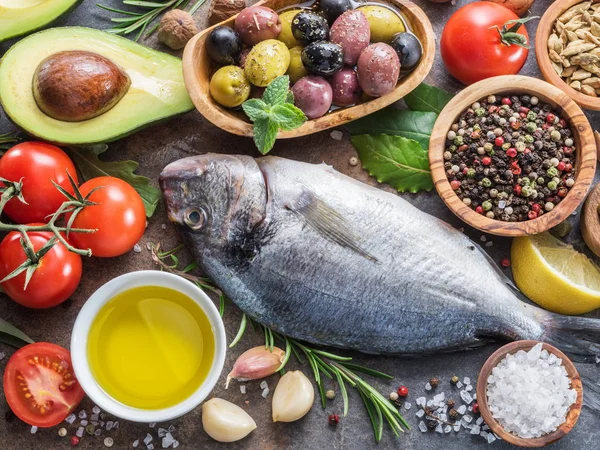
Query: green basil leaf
<point>255,109</point>
<point>87,160</point>
<point>415,125</point>
<point>287,116</point>
<point>11,335</point>
<point>277,91</point>
<point>427,98</point>
<point>265,134</point>
<point>400,162</point>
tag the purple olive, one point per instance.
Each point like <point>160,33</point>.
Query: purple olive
<point>378,69</point>
<point>345,87</point>
<point>313,95</point>
<point>256,24</point>
<point>351,31</point>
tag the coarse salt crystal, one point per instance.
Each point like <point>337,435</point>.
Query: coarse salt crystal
<point>2,356</point>
<point>243,388</point>
<point>150,447</point>
<point>467,419</point>
<point>422,427</point>
<point>135,443</point>
<point>265,392</point>
<point>168,440</point>
<point>97,432</point>
<point>83,423</point>
<point>148,438</point>
<point>421,401</point>
<point>171,428</point>
<point>175,444</point>
<point>457,427</point>
<point>420,413</point>
<point>94,417</point>
<point>263,385</point>
<point>152,424</point>
<point>96,409</point>
<point>439,428</point>
<point>448,429</point>
<point>459,385</point>
<point>162,432</point>
<point>407,406</point>
<point>479,421</point>
<point>337,135</point>
<point>469,388</point>
<point>33,429</point>
<point>467,380</point>
<point>79,432</point>
<point>466,397</point>
<point>109,425</point>
<point>462,409</point>
<point>116,425</point>
<point>475,429</point>
<point>491,438</point>
<point>82,414</point>
<point>70,418</point>
<point>428,387</point>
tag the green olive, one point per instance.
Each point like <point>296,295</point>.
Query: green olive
<point>383,22</point>
<point>229,86</point>
<point>266,61</point>
<point>296,70</point>
<point>286,35</point>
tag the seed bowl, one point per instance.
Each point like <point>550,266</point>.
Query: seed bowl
<point>572,414</point>
<point>544,30</point>
<point>517,85</point>
<point>197,70</point>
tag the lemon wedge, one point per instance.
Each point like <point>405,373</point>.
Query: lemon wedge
<point>555,275</point>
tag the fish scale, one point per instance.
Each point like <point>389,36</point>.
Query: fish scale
<point>339,263</point>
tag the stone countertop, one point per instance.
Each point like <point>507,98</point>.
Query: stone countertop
<point>191,134</point>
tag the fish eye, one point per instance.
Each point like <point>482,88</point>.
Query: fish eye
<point>195,218</point>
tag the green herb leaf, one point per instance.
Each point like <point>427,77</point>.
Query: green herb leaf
<point>276,92</point>
<point>11,335</point>
<point>415,125</point>
<point>427,98</point>
<point>256,109</point>
<point>89,164</point>
<point>265,135</point>
<point>400,162</point>
<point>287,116</point>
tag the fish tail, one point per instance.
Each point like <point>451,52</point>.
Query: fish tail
<point>579,337</point>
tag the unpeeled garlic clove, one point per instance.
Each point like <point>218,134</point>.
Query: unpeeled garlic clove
<point>225,422</point>
<point>293,397</point>
<point>258,362</point>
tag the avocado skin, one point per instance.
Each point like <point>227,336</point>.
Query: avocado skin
<point>40,26</point>
<point>150,70</point>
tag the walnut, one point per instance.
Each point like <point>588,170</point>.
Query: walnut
<point>224,9</point>
<point>176,28</point>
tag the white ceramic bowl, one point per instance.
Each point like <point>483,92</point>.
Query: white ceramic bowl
<point>79,341</point>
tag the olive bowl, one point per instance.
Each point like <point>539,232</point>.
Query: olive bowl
<point>197,70</point>
<point>585,154</point>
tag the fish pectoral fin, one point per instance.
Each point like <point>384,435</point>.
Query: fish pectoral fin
<point>328,222</point>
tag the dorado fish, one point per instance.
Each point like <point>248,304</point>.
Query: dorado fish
<point>321,257</point>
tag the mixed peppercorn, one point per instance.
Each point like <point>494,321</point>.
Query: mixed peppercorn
<point>510,158</point>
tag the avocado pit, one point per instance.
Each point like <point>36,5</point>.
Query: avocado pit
<point>74,86</point>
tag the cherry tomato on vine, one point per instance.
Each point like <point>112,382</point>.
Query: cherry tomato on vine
<point>474,49</point>
<point>37,164</point>
<point>55,279</point>
<point>40,385</point>
<point>119,217</point>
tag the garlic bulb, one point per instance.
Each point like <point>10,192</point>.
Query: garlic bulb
<point>225,422</point>
<point>293,397</point>
<point>258,362</point>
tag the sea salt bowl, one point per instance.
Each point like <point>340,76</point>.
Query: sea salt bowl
<point>572,414</point>
<point>92,307</point>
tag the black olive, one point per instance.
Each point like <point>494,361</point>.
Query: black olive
<point>323,58</point>
<point>409,49</point>
<point>332,9</point>
<point>224,45</point>
<point>309,27</point>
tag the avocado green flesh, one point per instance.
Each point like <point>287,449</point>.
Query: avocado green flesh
<point>157,88</point>
<point>19,17</point>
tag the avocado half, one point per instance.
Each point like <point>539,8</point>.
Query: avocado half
<point>157,88</point>
<point>20,17</point>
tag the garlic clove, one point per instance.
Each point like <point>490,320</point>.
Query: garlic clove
<point>258,362</point>
<point>225,422</point>
<point>293,397</point>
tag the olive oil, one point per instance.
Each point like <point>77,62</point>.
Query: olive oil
<point>150,347</point>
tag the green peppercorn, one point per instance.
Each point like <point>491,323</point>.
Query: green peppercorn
<point>526,190</point>
<point>525,181</point>
<point>486,182</point>
<point>531,127</point>
<point>520,147</point>
<point>458,140</point>
<point>471,172</point>
<point>529,139</point>
<point>455,379</point>
<point>90,429</point>
<point>493,192</point>
<point>487,205</point>
<point>555,136</point>
<point>552,172</point>
<point>541,181</point>
<point>506,146</point>
<point>480,112</point>
<point>552,185</point>
<point>453,148</point>
<point>488,147</point>
<point>531,116</point>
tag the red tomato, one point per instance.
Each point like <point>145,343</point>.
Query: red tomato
<point>40,385</point>
<point>119,217</point>
<point>56,278</point>
<point>472,50</point>
<point>37,164</point>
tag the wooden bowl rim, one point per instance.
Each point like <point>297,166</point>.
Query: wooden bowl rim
<point>543,32</point>
<point>412,13</point>
<point>572,414</point>
<point>586,155</point>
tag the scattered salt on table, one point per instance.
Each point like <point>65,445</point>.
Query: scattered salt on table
<point>469,388</point>
<point>467,380</point>
<point>137,248</point>
<point>439,428</point>
<point>70,418</point>
<point>171,428</point>
<point>491,438</point>
<point>457,427</point>
<point>96,409</point>
<point>175,444</point>
<point>243,388</point>
<point>168,440</point>
<point>422,427</point>
<point>459,385</point>
<point>407,406</point>
<point>34,430</point>
<point>337,135</point>
<point>109,425</point>
<point>263,385</point>
<point>150,446</point>
<point>448,429</point>
<point>462,409</point>
<point>428,387</point>
<point>162,432</point>
<point>466,397</point>
<point>265,392</point>
<point>82,414</point>
<point>421,401</point>
<point>479,421</point>
<point>152,424</point>
<point>94,417</point>
<point>135,443</point>
<point>148,439</point>
<point>420,413</point>
<point>79,432</point>
<point>467,419</point>
<point>97,432</point>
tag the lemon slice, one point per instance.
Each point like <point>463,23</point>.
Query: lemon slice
<point>555,275</point>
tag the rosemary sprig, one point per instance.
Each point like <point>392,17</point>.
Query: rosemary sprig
<point>323,364</point>
<point>140,20</point>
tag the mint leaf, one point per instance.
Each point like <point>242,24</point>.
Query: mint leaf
<point>290,97</point>
<point>89,164</point>
<point>427,98</point>
<point>287,116</point>
<point>255,109</point>
<point>276,92</point>
<point>415,125</point>
<point>265,134</point>
<point>400,162</point>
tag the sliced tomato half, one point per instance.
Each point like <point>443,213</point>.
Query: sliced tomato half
<point>40,385</point>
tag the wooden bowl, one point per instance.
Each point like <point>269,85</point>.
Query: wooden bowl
<point>572,415</point>
<point>544,30</point>
<point>515,84</point>
<point>197,72</point>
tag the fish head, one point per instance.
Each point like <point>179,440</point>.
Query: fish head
<point>214,198</point>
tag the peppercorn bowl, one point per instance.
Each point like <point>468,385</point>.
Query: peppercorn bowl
<point>484,407</point>
<point>197,71</point>
<point>583,144</point>
<point>544,31</point>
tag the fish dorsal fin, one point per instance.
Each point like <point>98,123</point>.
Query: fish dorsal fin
<point>327,221</point>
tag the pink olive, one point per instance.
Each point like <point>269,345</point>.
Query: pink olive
<point>378,69</point>
<point>313,95</point>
